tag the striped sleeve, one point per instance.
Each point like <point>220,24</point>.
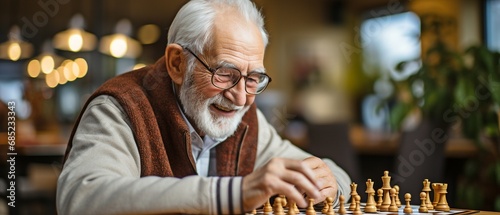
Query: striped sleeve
<point>228,195</point>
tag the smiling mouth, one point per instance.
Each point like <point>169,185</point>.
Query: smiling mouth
<point>222,108</point>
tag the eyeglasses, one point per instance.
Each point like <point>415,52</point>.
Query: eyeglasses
<point>226,78</point>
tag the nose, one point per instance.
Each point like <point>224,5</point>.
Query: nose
<point>237,94</point>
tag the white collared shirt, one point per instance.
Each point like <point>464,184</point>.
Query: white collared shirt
<point>203,150</point>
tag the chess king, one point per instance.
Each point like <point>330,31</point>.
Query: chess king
<point>184,135</point>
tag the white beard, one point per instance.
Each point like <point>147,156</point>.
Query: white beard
<point>197,108</point>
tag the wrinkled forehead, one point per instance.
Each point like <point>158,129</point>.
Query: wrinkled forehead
<point>231,28</point>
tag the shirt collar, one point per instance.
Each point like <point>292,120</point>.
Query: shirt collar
<point>192,131</point>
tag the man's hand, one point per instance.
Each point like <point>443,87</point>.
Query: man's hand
<point>289,177</point>
<point>323,177</point>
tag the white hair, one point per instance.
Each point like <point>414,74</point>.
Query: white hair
<point>194,22</point>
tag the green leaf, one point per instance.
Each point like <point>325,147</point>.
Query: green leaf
<point>472,124</point>
<point>487,58</point>
<point>497,203</point>
<point>491,130</point>
<point>471,169</point>
<point>474,196</point>
<point>495,89</point>
<point>497,171</point>
<point>398,114</point>
<point>464,91</point>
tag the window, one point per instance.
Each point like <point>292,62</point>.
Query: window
<point>493,24</point>
<point>389,40</point>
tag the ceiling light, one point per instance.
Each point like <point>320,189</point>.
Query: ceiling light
<point>15,48</point>
<point>121,44</point>
<point>75,39</point>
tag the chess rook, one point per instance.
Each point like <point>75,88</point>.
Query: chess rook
<point>435,188</point>
<point>442,205</point>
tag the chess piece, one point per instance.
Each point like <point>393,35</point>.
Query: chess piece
<point>291,208</point>
<point>357,209</point>
<point>283,200</point>
<point>398,202</point>
<point>427,190</point>
<point>278,209</point>
<point>435,188</point>
<point>296,208</point>
<point>329,201</point>
<point>423,205</point>
<point>310,209</point>
<point>267,207</point>
<point>325,207</point>
<point>386,187</point>
<point>442,205</point>
<point>408,209</point>
<point>370,206</point>
<point>380,194</point>
<point>393,207</point>
<point>254,211</point>
<point>341,205</point>
<point>354,187</point>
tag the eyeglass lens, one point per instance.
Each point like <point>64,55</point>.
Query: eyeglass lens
<point>226,78</point>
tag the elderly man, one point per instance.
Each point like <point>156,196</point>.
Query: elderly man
<point>184,135</point>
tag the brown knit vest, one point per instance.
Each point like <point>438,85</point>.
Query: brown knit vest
<point>161,134</point>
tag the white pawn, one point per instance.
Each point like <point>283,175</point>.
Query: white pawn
<point>330,211</point>
<point>325,207</point>
<point>423,205</point>
<point>291,208</point>
<point>393,207</point>
<point>310,209</point>
<point>341,205</point>
<point>408,209</point>
<point>267,207</point>
<point>357,210</point>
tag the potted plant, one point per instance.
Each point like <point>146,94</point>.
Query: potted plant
<point>460,89</point>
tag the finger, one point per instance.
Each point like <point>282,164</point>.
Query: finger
<point>292,194</point>
<point>301,182</point>
<point>313,162</point>
<point>278,184</point>
<point>323,174</point>
<point>304,169</point>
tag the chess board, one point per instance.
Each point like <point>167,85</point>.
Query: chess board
<point>414,208</point>
<point>387,195</point>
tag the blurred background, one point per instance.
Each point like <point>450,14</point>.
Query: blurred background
<point>412,87</point>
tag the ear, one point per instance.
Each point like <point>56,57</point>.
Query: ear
<point>175,61</point>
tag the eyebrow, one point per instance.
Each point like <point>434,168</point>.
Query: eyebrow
<point>226,64</point>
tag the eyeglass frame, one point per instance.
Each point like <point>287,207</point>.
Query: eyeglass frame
<point>212,71</point>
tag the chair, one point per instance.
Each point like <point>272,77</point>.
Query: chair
<point>332,141</point>
<point>421,156</point>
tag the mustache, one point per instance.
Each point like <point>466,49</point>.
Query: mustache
<point>223,101</point>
